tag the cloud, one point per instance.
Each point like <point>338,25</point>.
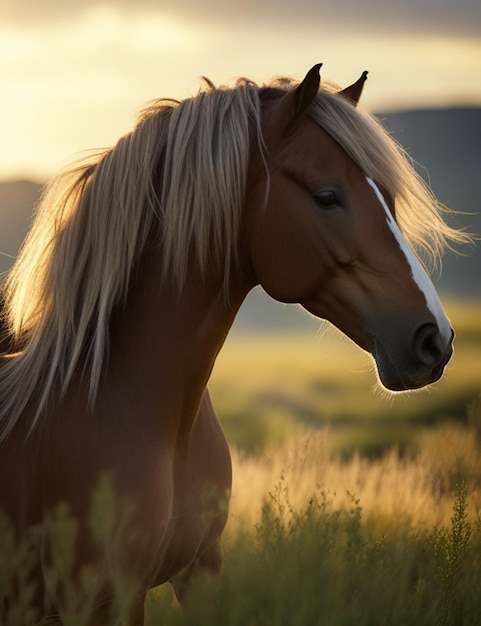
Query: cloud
<point>74,74</point>
<point>443,17</point>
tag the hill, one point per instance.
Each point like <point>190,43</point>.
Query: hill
<point>446,142</point>
<point>17,199</point>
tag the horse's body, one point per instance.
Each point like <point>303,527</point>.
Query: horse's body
<point>314,229</point>
<point>173,466</point>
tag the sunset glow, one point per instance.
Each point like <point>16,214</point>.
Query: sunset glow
<point>71,85</point>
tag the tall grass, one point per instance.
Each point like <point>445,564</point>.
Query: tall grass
<point>417,487</point>
<point>311,540</point>
<point>314,539</point>
<point>321,565</point>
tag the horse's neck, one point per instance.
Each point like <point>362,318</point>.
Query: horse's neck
<point>165,343</point>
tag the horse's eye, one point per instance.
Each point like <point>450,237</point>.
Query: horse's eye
<point>327,199</point>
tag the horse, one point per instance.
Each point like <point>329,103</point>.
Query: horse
<point>127,285</point>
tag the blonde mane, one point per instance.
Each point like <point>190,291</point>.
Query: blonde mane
<point>178,179</point>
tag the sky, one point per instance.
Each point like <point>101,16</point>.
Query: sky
<point>75,73</point>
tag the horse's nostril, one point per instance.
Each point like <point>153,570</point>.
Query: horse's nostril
<point>428,345</point>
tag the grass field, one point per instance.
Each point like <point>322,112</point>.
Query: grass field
<point>324,566</point>
<point>316,540</point>
<point>267,387</point>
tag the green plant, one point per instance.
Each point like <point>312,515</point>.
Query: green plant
<point>451,550</point>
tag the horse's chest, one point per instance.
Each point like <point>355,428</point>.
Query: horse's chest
<point>202,482</point>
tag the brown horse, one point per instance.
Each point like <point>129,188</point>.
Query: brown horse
<point>126,288</point>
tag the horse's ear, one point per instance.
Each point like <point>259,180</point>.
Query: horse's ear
<point>292,106</point>
<point>354,91</point>
<point>306,91</point>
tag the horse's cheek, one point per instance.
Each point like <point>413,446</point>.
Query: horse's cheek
<point>285,263</point>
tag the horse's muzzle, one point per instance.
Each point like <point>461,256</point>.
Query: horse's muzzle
<point>419,363</point>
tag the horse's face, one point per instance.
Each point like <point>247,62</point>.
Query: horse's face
<point>327,239</point>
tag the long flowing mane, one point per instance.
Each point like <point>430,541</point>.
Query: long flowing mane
<point>176,181</point>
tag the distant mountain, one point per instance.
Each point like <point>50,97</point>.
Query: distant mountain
<point>447,142</point>
<point>17,199</point>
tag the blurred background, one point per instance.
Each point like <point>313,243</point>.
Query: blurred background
<point>75,73</point>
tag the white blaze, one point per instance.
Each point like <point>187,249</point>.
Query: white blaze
<point>418,272</point>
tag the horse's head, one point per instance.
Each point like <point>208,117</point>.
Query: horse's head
<point>326,236</point>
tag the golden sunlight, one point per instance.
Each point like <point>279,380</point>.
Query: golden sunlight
<point>76,84</point>
<point>143,33</point>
